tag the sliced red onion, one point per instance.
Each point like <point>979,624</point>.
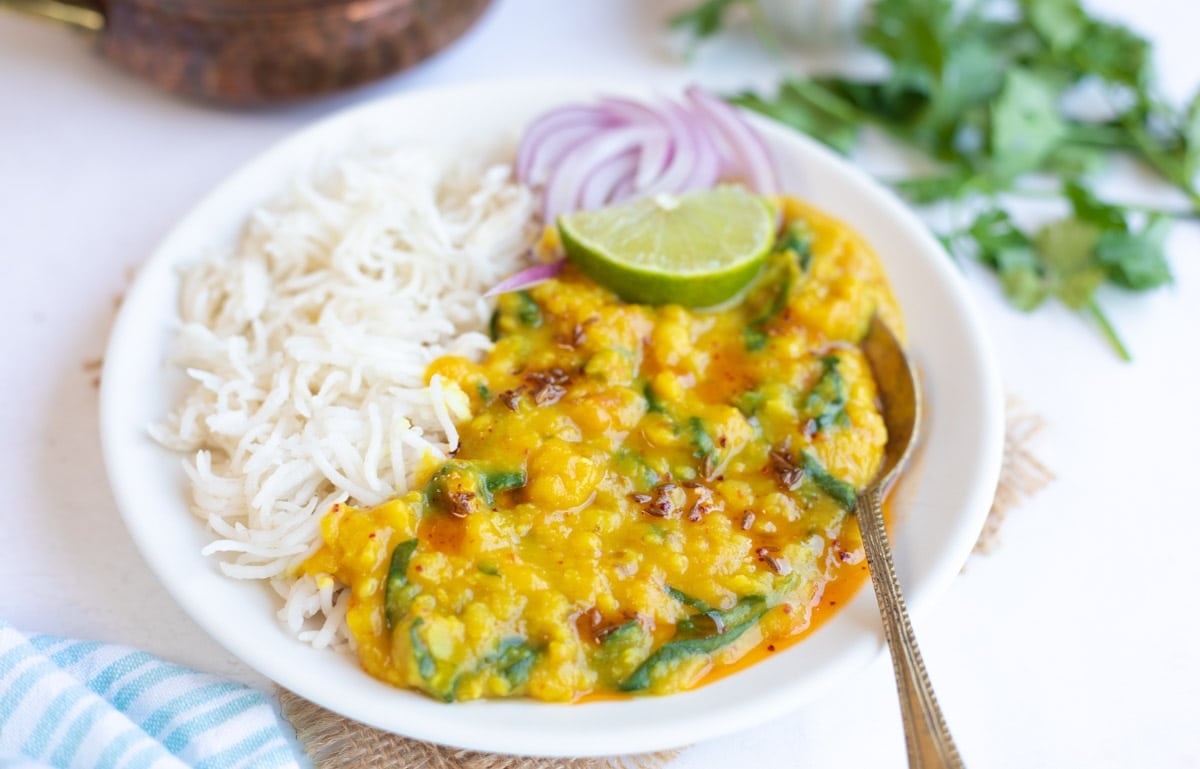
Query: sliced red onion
<point>746,148</point>
<point>565,185</point>
<point>656,152</point>
<point>680,161</point>
<point>528,277</point>
<point>533,143</point>
<point>600,187</point>
<point>553,149</point>
<point>625,190</point>
<point>620,149</point>
<point>706,158</point>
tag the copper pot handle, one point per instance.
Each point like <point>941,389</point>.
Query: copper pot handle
<point>81,14</point>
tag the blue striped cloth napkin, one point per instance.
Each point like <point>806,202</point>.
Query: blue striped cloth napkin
<point>89,705</point>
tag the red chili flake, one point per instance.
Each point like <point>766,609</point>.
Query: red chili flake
<point>419,568</point>
<point>770,647</point>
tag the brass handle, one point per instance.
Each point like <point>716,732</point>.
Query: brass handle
<point>929,743</point>
<point>80,14</point>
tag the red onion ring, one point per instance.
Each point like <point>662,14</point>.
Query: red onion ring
<point>565,185</point>
<point>577,153</point>
<point>705,158</point>
<point>681,156</point>
<point>539,150</point>
<point>528,277</point>
<point>656,152</point>
<point>747,150</point>
<point>600,187</point>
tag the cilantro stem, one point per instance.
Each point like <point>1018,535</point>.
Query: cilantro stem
<point>1109,137</point>
<point>1109,331</point>
<point>838,106</point>
<point>1159,162</point>
<point>1054,196</point>
<point>1193,214</point>
<point>763,31</point>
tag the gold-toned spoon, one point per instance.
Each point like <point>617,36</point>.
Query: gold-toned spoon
<point>925,732</point>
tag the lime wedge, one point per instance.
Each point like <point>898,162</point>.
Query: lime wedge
<point>696,249</point>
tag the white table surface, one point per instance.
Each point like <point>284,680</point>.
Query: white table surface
<point>1073,644</point>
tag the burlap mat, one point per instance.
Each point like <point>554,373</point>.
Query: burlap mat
<point>334,742</point>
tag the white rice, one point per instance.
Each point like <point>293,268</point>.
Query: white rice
<point>306,347</point>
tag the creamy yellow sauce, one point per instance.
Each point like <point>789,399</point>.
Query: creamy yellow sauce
<point>643,495</point>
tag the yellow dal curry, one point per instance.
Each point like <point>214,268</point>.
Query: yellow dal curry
<point>644,495</point>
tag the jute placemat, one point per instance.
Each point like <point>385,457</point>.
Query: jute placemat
<point>1022,474</point>
<point>334,742</point>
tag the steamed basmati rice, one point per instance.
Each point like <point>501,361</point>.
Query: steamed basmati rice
<point>305,351</point>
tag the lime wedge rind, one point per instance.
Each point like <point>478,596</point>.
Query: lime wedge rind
<point>698,249</point>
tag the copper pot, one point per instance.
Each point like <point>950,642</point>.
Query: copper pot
<point>264,51</point>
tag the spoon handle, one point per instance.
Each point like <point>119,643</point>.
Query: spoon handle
<point>929,743</point>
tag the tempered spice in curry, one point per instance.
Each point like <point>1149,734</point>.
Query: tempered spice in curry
<point>643,496</point>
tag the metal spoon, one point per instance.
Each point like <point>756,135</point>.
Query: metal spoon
<point>929,743</point>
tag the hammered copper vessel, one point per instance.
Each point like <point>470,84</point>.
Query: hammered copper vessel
<point>247,52</point>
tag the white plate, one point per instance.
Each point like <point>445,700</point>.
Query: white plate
<point>941,508</point>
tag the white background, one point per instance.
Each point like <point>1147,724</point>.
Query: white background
<point>1073,644</point>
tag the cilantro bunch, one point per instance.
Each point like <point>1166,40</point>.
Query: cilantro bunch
<point>981,92</point>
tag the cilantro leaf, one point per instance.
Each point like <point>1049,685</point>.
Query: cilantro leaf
<point>1132,260</point>
<point>825,403</point>
<point>915,36</point>
<point>1089,208</point>
<point>1026,124</point>
<point>1115,54</point>
<point>1060,23</point>
<point>1136,261</point>
<point>1009,252</point>
<point>1066,249</point>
